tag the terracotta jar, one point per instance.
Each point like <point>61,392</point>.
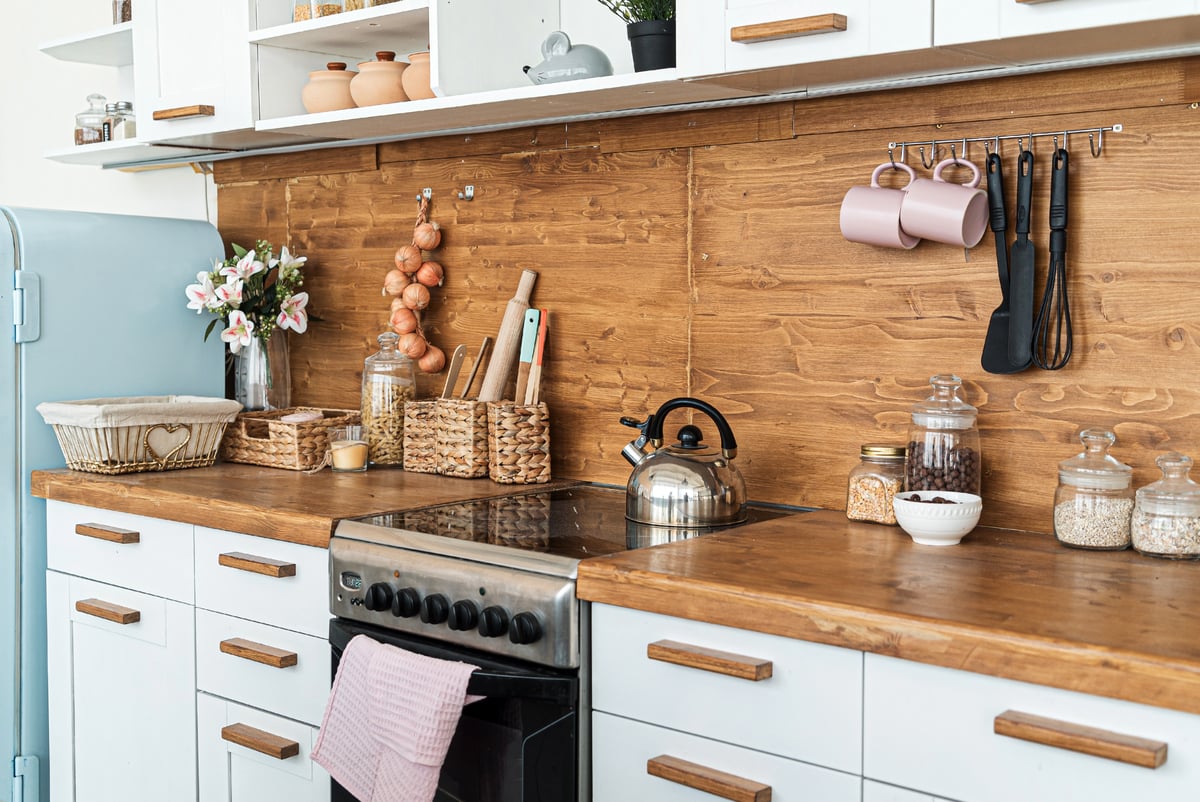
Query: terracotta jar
<point>328,89</point>
<point>379,81</point>
<point>416,77</point>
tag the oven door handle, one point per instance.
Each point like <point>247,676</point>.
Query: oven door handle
<point>494,685</point>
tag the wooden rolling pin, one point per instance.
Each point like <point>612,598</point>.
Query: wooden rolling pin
<point>508,340</point>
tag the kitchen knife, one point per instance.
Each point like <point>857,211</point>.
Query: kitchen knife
<point>1021,272</point>
<point>525,357</point>
<point>483,349</point>
<point>533,391</point>
<point>460,353</point>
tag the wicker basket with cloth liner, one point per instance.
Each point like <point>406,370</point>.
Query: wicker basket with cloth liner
<point>141,433</point>
<point>262,438</point>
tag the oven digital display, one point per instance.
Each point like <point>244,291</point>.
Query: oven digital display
<point>351,580</point>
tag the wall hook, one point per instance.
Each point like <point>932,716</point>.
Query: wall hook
<point>1096,146</point>
<point>467,192</point>
<point>929,164</point>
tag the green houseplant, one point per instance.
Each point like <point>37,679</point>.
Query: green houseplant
<point>650,25</point>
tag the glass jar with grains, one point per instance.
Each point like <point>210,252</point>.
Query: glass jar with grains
<point>1094,500</point>
<point>1166,513</point>
<point>874,482</point>
<point>389,381</point>
<point>943,443</point>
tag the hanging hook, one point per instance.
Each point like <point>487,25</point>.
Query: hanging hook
<point>1056,143</point>
<point>1066,134</point>
<point>892,157</point>
<point>903,152</point>
<point>1021,144</point>
<point>966,146</point>
<point>929,164</point>
<point>1097,146</point>
<point>1030,140</point>
<point>987,147</point>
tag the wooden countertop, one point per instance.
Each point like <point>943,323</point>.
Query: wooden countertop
<point>268,502</point>
<point>1009,604</point>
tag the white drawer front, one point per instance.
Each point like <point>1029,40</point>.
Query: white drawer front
<point>157,558</point>
<point>873,27</point>
<point>882,792</point>
<point>809,709</point>
<point>231,771</point>
<point>931,728</point>
<point>982,20</point>
<point>297,689</point>
<point>227,582</point>
<point>621,748</point>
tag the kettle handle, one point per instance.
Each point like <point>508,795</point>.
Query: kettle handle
<point>654,430</point>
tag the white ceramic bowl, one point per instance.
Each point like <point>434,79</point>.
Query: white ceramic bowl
<point>937,524</point>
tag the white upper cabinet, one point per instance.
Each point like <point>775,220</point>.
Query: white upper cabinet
<point>1032,32</point>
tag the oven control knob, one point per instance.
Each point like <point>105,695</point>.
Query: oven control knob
<point>435,609</point>
<point>407,603</point>
<point>464,615</point>
<point>525,628</point>
<point>493,622</point>
<point>378,596</point>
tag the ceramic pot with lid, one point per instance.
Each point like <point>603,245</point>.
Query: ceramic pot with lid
<point>685,484</point>
<point>416,77</point>
<point>379,81</point>
<point>328,89</point>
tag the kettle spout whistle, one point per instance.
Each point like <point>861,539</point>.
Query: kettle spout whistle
<point>635,450</point>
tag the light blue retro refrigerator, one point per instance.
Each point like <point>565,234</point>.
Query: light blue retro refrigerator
<point>92,306</point>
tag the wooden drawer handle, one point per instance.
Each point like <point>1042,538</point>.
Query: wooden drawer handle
<point>184,112</point>
<point>108,611</point>
<point>710,781</point>
<point>728,663</point>
<point>256,565</point>
<point>788,28</point>
<point>260,741</point>
<point>259,653</point>
<point>1078,738</point>
<point>110,533</point>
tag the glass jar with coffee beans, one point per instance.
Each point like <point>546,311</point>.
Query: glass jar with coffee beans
<point>1094,499</point>
<point>943,442</point>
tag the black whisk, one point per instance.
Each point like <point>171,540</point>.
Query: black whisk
<point>1052,329</point>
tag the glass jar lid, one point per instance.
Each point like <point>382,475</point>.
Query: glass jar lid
<point>1095,467</point>
<point>944,409</point>
<point>882,451</point>
<point>1175,493</point>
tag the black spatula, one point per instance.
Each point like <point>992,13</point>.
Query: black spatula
<point>994,358</point>
<point>1021,276</point>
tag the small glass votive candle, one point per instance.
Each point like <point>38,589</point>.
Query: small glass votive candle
<point>348,448</point>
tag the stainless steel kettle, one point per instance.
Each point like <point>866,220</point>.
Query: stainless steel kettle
<point>686,484</point>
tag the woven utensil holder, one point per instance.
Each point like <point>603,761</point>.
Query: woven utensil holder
<point>462,438</point>
<point>518,443</point>
<point>420,436</point>
<point>260,438</point>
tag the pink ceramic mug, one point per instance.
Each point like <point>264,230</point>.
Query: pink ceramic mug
<point>940,210</point>
<point>871,214</point>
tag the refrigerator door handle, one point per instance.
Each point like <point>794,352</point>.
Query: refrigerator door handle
<point>27,306</point>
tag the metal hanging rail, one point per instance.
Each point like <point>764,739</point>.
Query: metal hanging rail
<point>1095,143</point>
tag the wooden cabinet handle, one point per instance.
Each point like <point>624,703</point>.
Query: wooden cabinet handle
<point>260,741</point>
<point>259,653</point>
<point>710,781</point>
<point>110,533</point>
<point>184,112</point>
<point>788,28</point>
<point>728,663</point>
<point>1078,738</point>
<point>108,611</point>
<point>256,565</point>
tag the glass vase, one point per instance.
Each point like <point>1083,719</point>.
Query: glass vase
<point>262,374</point>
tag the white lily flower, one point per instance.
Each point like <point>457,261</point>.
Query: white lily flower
<point>288,264</point>
<point>201,295</point>
<point>245,267</point>
<point>239,333</point>
<point>230,292</point>
<point>292,314</point>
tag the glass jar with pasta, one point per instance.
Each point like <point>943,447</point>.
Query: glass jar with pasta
<point>389,382</point>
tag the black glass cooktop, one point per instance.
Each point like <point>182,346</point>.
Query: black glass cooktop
<point>572,522</point>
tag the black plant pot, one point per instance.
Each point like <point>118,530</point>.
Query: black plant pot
<point>653,44</point>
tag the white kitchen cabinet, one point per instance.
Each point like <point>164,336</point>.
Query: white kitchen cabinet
<point>740,697</point>
<point>932,729</point>
<point>882,792</point>
<point>1027,32</point>
<point>121,677</point>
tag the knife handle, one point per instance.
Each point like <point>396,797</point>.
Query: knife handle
<point>1058,191</point>
<point>1024,190</point>
<point>995,190</point>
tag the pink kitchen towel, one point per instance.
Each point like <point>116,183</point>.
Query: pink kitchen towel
<point>389,721</point>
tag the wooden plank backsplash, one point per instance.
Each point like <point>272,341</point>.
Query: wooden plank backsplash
<point>699,254</point>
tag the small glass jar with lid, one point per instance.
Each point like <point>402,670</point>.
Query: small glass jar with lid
<point>943,442</point>
<point>389,381</point>
<point>874,482</point>
<point>1166,513</point>
<point>89,123</point>
<point>1093,503</point>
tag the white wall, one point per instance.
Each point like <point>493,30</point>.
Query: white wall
<point>39,97</point>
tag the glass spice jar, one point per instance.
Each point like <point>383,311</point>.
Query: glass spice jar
<point>389,381</point>
<point>874,482</point>
<point>89,123</point>
<point>943,442</point>
<point>1166,513</point>
<point>1093,503</point>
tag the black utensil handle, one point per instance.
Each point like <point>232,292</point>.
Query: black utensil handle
<point>1024,190</point>
<point>1058,191</point>
<point>998,218</point>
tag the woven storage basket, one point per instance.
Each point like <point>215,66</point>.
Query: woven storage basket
<point>145,433</point>
<point>420,436</point>
<point>461,446</point>
<point>518,443</point>
<point>261,438</point>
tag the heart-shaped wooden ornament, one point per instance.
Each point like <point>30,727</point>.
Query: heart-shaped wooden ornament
<point>164,440</point>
